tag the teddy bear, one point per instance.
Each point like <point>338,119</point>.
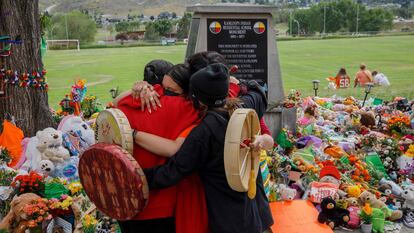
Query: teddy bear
<point>367,197</point>
<point>353,208</point>
<point>368,119</point>
<point>331,214</point>
<point>388,197</point>
<point>46,167</point>
<point>408,195</point>
<point>46,145</point>
<point>16,215</point>
<point>286,193</point>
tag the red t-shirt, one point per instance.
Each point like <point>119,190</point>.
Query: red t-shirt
<point>175,115</point>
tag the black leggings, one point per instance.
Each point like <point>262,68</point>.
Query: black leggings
<point>160,225</point>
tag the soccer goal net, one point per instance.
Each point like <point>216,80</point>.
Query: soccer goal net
<point>63,44</point>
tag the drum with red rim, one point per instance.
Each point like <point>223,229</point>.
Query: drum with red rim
<point>113,181</point>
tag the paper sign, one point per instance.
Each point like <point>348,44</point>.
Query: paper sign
<point>59,222</point>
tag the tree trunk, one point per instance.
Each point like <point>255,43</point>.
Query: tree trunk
<point>28,105</point>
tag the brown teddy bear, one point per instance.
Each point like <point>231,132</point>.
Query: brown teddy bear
<point>367,197</point>
<point>16,215</point>
<point>368,119</point>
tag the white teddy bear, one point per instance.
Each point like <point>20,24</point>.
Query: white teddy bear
<point>408,195</point>
<point>286,193</point>
<point>46,167</point>
<point>46,145</point>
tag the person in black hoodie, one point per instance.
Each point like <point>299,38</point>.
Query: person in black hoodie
<point>229,211</point>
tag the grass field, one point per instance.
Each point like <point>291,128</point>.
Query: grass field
<point>301,62</point>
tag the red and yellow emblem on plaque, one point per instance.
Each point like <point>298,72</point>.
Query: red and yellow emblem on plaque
<point>259,27</point>
<point>215,27</point>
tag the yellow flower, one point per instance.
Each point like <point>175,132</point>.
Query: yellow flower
<point>75,187</point>
<point>410,151</point>
<point>367,209</point>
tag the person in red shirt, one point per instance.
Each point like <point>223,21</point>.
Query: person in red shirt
<point>175,115</point>
<point>170,147</point>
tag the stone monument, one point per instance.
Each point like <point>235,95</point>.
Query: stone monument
<point>244,34</point>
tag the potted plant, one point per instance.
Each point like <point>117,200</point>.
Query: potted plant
<point>366,218</point>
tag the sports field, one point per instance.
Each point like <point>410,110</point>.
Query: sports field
<point>301,62</point>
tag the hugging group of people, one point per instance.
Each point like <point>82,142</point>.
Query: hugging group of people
<point>179,143</point>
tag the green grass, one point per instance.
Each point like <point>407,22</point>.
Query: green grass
<point>301,62</point>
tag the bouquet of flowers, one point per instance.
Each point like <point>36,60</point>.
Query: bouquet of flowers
<point>31,183</point>
<point>60,206</point>
<point>6,177</point>
<point>368,142</point>
<point>388,147</point>
<point>410,151</point>
<point>89,105</point>
<point>89,224</point>
<point>292,99</point>
<point>37,212</point>
<point>4,156</point>
<point>75,188</point>
<point>398,123</point>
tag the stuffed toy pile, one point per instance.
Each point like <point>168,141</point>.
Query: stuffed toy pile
<point>350,159</point>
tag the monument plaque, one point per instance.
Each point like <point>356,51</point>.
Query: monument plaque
<point>245,35</point>
<point>243,42</point>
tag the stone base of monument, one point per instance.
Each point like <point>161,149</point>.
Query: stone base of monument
<point>278,118</point>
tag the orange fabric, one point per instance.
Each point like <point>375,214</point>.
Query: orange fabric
<point>186,132</point>
<point>191,215</point>
<point>298,216</point>
<point>342,81</point>
<point>334,151</point>
<point>11,138</point>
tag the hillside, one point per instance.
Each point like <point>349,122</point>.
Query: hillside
<point>122,7</point>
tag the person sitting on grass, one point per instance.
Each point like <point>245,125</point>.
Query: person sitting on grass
<point>380,79</point>
<point>363,76</point>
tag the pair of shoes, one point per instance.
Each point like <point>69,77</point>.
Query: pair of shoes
<point>408,219</point>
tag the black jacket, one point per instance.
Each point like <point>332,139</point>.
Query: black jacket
<point>203,151</point>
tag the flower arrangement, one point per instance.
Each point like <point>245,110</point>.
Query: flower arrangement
<point>89,105</point>
<point>37,212</point>
<point>6,177</point>
<point>4,155</point>
<point>89,224</point>
<point>292,99</point>
<point>31,183</point>
<point>398,123</point>
<point>360,172</point>
<point>60,206</point>
<point>75,188</point>
<point>388,147</point>
<point>63,203</point>
<point>366,214</point>
<point>410,151</point>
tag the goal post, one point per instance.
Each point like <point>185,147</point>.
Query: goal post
<point>50,43</point>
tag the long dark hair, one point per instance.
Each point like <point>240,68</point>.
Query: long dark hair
<point>341,72</point>
<point>180,73</point>
<point>201,60</point>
